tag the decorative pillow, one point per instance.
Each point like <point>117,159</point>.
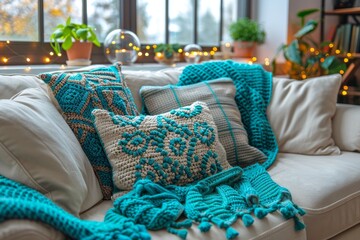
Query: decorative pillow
<point>219,96</point>
<point>300,114</point>
<point>38,149</point>
<point>177,147</point>
<point>78,94</point>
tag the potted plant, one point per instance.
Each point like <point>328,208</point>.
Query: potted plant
<point>246,33</point>
<point>305,57</point>
<point>77,40</point>
<point>167,53</point>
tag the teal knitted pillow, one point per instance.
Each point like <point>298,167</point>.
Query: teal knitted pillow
<point>78,94</point>
<point>177,147</point>
<point>219,95</point>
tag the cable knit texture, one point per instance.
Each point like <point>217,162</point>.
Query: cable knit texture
<point>253,93</point>
<point>177,147</point>
<point>78,94</point>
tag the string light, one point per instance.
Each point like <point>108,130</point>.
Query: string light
<point>131,44</point>
<point>8,42</point>
<point>212,53</point>
<point>47,60</point>
<point>27,69</point>
<point>344,93</point>
<point>147,47</point>
<point>51,53</point>
<point>337,51</point>
<point>345,87</point>
<point>250,62</point>
<point>312,49</point>
<point>214,49</point>
<point>28,60</point>
<point>331,45</point>
<point>253,59</point>
<point>267,61</point>
<point>346,60</point>
<point>5,60</point>
<point>154,46</point>
<point>341,72</point>
<point>322,60</point>
<point>140,54</point>
<point>146,54</point>
<point>180,50</point>
<point>59,54</point>
<point>348,54</point>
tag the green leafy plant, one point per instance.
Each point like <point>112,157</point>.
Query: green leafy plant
<point>306,57</point>
<point>69,32</point>
<point>247,30</point>
<point>167,49</point>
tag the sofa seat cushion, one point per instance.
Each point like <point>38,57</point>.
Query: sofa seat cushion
<point>272,227</point>
<point>326,187</point>
<point>11,85</point>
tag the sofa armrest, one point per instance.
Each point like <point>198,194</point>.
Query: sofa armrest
<point>346,127</point>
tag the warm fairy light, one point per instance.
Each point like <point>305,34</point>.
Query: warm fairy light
<point>51,53</point>
<point>122,36</point>
<point>62,66</point>
<point>123,50</point>
<point>159,54</point>
<point>180,50</point>
<point>137,49</point>
<point>28,59</point>
<point>146,54</point>
<point>214,49</point>
<point>113,42</point>
<point>346,60</point>
<point>337,51</point>
<point>348,54</point>
<point>254,59</point>
<point>59,54</point>
<point>47,60</point>
<point>154,46</point>
<point>8,42</point>
<point>322,59</point>
<point>267,61</point>
<point>5,60</point>
<point>344,93</point>
<point>131,44</point>
<point>303,76</point>
<point>147,47</point>
<point>107,51</point>
<point>139,54</point>
<point>317,52</point>
<point>27,69</point>
<point>187,54</point>
<point>345,87</point>
<point>206,54</point>
<point>331,45</point>
<point>326,54</point>
<point>250,62</point>
<point>227,45</point>
<point>212,53</point>
<point>312,49</point>
<point>341,72</point>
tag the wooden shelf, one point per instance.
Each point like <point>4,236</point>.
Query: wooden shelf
<point>344,11</point>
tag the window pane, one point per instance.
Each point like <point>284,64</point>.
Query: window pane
<point>104,16</point>
<point>229,16</point>
<point>181,22</point>
<point>208,22</point>
<point>151,21</point>
<point>19,20</point>
<point>57,11</point>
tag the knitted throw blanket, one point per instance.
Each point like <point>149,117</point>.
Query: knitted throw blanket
<point>253,94</point>
<point>21,202</point>
<point>220,200</point>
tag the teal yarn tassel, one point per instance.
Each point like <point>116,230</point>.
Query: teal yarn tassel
<point>298,224</point>
<point>181,233</point>
<point>204,225</point>
<point>260,212</point>
<point>247,219</point>
<point>231,233</point>
<point>184,224</point>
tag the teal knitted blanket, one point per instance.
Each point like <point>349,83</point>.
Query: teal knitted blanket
<point>21,202</point>
<point>253,93</point>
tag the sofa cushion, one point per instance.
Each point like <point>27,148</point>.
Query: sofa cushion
<point>219,95</point>
<point>38,149</point>
<point>327,187</point>
<point>136,79</point>
<point>346,127</point>
<point>300,114</point>
<point>78,94</point>
<point>11,85</point>
<point>178,147</point>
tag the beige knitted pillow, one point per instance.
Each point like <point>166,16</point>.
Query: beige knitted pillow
<point>177,147</point>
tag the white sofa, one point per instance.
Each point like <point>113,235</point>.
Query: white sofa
<point>327,187</point>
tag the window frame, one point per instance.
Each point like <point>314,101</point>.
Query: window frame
<point>37,51</point>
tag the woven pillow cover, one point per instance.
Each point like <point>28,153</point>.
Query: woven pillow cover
<point>177,147</point>
<point>219,96</point>
<point>77,95</point>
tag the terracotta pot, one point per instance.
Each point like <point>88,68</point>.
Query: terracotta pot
<point>80,50</point>
<point>244,49</point>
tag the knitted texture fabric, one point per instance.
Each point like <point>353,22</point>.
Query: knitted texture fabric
<point>219,95</point>
<point>219,200</point>
<point>78,94</point>
<point>253,94</point>
<point>20,202</point>
<point>177,147</point>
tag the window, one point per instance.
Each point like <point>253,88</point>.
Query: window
<point>27,24</point>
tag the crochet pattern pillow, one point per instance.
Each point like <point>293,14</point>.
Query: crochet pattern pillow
<point>177,147</point>
<point>219,96</point>
<point>77,95</point>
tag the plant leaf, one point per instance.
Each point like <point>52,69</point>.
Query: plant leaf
<point>82,33</point>
<point>308,28</point>
<point>68,21</point>
<point>67,44</point>
<point>306,12</point>
<point>292,52</point>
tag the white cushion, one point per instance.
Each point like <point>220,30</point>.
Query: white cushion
<point>136,79</point>
<point>37,148</point>
<point>11,85</point>
<point>346,127</point>
<point>327,187</point>
<point>300,114</point>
